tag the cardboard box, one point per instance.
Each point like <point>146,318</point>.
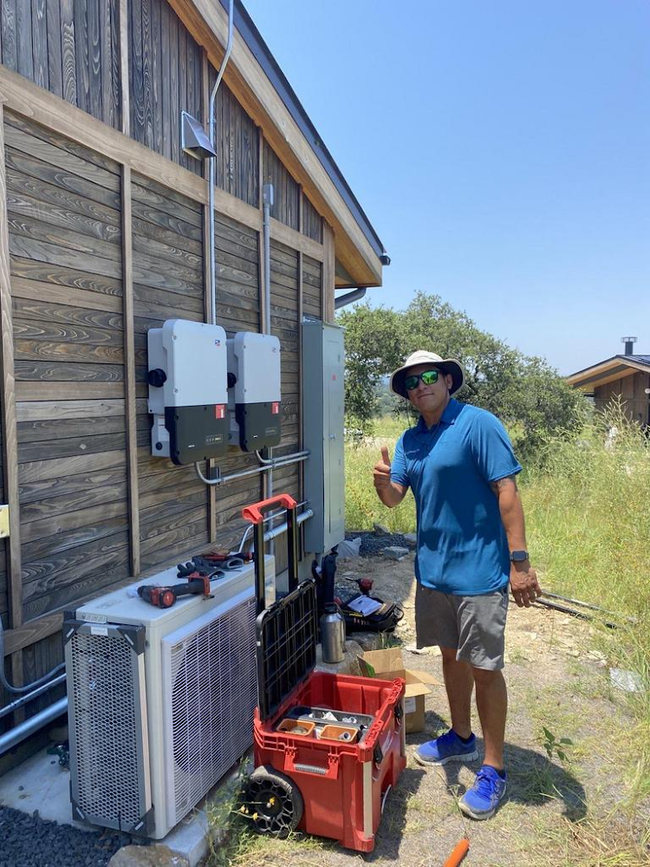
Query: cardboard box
<point>387,664</point>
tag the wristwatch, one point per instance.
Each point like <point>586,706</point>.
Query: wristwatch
<point>518,556</point>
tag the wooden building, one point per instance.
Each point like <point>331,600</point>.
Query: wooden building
<point>622,377</point>
<point>103,227</point>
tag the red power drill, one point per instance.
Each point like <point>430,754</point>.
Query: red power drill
<point>164,597</point>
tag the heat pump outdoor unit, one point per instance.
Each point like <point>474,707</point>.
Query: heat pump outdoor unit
<point>160,702</point>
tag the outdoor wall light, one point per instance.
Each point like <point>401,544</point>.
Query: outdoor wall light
<point>194,139</point>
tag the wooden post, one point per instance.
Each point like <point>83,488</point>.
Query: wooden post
<point>9,424</point>
<point>130,407</point>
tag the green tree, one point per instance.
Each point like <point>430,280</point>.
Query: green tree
<point>526,393</point>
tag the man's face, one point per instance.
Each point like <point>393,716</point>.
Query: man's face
<point>429,398</point>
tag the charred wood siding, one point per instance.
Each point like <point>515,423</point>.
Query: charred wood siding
<point>237,146</point>
<point>164,79</point>
<point>312,222</point>
<point>284,325</point>
<point>167,284</point>
<point>238,256</point>
<point>286,199</point>
<point>64,239</point>
<point>312,292</point>
<point>69,47</point>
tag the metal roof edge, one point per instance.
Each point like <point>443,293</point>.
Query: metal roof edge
<point>599,364</point>
<point>262,53</point>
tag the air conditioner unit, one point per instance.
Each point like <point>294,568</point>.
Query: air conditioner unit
<point>160,702</point>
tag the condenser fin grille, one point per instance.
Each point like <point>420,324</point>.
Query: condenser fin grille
<point>105,729</point>
<point>213,697</point>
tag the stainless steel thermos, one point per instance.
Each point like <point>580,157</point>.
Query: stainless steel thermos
<point>332,631</point>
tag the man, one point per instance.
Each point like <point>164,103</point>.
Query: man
<point>471,543</point>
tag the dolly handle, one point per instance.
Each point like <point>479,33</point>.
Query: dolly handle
<point>253,513</point>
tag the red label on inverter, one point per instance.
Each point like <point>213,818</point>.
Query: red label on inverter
<point>275,408</point>
<point>220,410</point>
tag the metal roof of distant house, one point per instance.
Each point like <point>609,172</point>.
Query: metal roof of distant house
<point>612,368</point>
<point>260,50</point>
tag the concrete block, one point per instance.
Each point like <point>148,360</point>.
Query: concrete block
<point>395,553</point>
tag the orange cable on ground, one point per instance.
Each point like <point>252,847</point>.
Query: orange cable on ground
<point>460,850</point>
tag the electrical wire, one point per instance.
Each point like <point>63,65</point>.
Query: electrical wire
<point>18,690</point>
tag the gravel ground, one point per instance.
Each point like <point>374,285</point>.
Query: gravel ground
<point>371,544</point>
<point>29,841</point>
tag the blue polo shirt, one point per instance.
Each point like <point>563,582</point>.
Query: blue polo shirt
<point>461,543</point>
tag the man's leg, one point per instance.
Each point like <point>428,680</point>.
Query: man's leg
<point>492,704</point>
<point>459,682</point>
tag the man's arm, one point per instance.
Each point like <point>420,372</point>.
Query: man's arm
<point>523,580</point>
<point>390,493</point>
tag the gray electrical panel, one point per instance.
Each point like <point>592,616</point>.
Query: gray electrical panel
<point>323,405</point>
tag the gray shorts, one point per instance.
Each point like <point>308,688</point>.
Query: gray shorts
<point>474,626</point>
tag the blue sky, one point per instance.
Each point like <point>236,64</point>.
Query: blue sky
<point>501,149</point>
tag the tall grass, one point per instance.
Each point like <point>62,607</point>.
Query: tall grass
<point>362,506</point>
<point>587,509</point>
<point>587,504</point>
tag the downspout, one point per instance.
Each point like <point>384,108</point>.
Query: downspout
<point>349,297</point>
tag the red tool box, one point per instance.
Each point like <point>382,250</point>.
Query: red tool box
<point>328,747</point>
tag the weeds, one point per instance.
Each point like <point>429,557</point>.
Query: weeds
<point>557,746</point>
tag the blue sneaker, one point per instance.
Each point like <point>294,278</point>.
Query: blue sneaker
<point>446,748</point>
<point>482,800</point>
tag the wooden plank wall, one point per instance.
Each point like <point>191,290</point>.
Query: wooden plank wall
<point>286,200</point>
<point>165,78</point>
<point>237,146</point>
<point>312,222</point>
<point>63,206</point>
<point>631,389</point>
<point>312,281</point>
<point>285,326</point>
<point>167,284</point>
<point>238,309</point>
<point>69,47</point>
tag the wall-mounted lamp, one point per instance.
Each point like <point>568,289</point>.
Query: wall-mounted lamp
<point>194,139</point>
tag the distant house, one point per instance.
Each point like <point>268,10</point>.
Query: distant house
<point>626,377</point>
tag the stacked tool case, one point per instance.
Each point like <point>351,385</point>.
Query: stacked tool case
<point>328,747</point>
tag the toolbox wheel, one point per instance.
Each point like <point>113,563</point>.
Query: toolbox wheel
<point>273,802</point>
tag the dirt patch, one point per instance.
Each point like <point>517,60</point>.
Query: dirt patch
<point>557,813</point>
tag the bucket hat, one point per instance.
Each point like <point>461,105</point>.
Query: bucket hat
<point>421,356</point>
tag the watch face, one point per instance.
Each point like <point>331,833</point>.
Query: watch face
<point>519,556</point>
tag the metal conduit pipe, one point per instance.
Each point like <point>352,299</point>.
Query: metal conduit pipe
<point>25,699</point>
<point>282,528</point>
<point>279,462</point>
<point>267,202</point>
<point>13,737</point>
<point>212,180</point>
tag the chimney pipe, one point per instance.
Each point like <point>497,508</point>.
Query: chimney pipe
<point>629,344</point>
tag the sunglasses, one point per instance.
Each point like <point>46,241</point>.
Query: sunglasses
<point>429,377</point>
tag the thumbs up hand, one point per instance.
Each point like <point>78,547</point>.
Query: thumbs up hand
<point>381,472</point>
